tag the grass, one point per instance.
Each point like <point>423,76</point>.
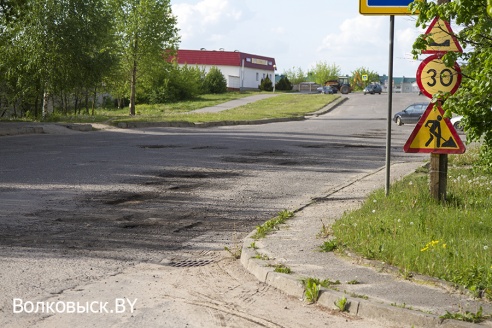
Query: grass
<point>280,268</point>
<point>286,105</point>
<point>272,224</point>
<point>411,231</point>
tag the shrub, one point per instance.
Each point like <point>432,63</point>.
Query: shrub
<point>284,84</point>
<point>266,84</point>
<point>215,81</point>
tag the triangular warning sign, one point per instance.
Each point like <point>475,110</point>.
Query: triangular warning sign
<point>443,38</point>
<point>434,134</point>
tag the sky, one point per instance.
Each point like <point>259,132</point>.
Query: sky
<point>299,34</point>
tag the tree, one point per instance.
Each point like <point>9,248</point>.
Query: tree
<point>295,75</point>
<point>283,84</point>
<point>215,81</point>
<point>57,48</point>
<point>266,84</point>
<point>473,99</point>
<point>357,83</point>
<point>323,72</point>
<point>146,29</point>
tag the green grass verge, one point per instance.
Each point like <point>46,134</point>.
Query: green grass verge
<point>410,230</point>
<point>285,105</point>
<point>281,106</point>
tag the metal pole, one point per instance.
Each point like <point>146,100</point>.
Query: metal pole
<point>390,103</point>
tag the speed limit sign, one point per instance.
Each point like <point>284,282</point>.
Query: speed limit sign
<point>434,76</point>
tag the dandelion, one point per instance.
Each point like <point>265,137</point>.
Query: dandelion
<point>411,223</point>
<point>373,211</point>
<point>485,247</point>
<point>431,244</point>
<point>375,201</point>
<point>410,183</point>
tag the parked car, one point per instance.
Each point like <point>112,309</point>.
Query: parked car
<point>456,122</point>
<point>327,90</point>
<point>411,114</point>
<point>373,88</point>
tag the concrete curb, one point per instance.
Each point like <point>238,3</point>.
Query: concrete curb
<point>9,129</point>
<point>291,284</point>
<point>371,308</point>
<point>26,128</point>
<point>324,110</point>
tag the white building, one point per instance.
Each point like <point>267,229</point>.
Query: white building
<point>241,70</point>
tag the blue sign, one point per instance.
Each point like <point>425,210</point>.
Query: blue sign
<point>384,7</point>
<point>389,3</point>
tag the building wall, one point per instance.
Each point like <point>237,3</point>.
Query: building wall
<point>251,79</point>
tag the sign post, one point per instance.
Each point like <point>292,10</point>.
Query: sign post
<point>433,133</point>
<point>389,8</point>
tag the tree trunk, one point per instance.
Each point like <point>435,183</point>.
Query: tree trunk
<point>133,90</point>
<point>94,101</point>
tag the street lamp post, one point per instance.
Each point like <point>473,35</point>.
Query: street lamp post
<point>274,79</point>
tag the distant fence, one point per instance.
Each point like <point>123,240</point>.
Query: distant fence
<point>306,87</point>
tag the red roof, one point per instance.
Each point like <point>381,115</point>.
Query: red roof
<point>224,58</point>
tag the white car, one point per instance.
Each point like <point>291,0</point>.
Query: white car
<point>456,122</point>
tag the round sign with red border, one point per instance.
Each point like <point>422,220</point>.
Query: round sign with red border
<point>434,76</point>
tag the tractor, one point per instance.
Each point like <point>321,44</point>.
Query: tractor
<point>342,84</point>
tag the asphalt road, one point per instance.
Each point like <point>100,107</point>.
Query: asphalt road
<point>81,207</point>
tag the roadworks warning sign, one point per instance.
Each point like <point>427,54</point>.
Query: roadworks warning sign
<point>434,134</point>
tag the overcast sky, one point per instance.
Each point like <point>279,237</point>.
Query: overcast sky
<point>298,34</point>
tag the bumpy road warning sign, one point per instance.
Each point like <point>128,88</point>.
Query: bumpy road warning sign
<point>443,39</point>
<point>434,134</point>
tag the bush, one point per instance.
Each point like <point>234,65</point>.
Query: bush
<point>176,84</point>
<point>215,81</point>
<point>284,84</point>
<point>266,84</point>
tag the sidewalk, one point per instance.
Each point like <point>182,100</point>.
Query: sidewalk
<point>379,293</point>
<point>235,103</point>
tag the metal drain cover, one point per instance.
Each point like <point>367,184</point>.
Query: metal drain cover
<point>190,263</point>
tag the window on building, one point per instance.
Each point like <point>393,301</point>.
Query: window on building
<point>257,76</point>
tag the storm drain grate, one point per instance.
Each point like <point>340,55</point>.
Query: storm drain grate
<point>190,263</point>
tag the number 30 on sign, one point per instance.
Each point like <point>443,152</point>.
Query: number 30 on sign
<point>434,76</point>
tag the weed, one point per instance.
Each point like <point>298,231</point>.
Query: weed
<point>328,246</point>
<point>270,225</point>
<point>402,306</point>
<point>466,316</point>
<point>260,256</point>
<point>282,269</point>
<point>342,304</point>
<point>236,253</point>
<point>353,282</point>
<point>364,297</point>
<point>237,249</point>
<point>323,283</point>
<point>325,231</point>
<point>406,274</point>
<point>253,245</point>
<point>312,288</point>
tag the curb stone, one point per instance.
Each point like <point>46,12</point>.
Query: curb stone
<point>371,308</point>
<point>291,285</point>
<point>28,129</point>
